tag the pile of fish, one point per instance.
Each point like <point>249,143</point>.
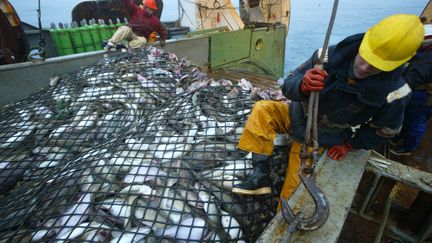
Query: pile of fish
<point>85,108</point>
<point>139,147</point>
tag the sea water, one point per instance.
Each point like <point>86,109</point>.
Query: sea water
<point>308,23</point>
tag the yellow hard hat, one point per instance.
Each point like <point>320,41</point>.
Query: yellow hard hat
<point>392,42</point>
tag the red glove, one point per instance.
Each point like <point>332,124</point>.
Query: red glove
<point>338,152</point>
<point>313,80</point>
<point>152,37</point>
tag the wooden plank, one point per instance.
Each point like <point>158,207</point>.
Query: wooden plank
<point>339,181</point>
<point>399,172</point>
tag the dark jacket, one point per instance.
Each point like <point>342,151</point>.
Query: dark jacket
<point>375,104</point>
<point>418,74</point>
<point>144,24</point>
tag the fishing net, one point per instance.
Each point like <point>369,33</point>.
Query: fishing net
<point>88,107</point>
<point>140,147</point>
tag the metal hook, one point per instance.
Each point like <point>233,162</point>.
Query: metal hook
<point>321,213</point>
<point>306,174</point>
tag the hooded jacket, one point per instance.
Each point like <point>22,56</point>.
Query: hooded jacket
<point>363,112</point>
<point>142,23</point>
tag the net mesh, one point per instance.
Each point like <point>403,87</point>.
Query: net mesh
<point>140,146</point>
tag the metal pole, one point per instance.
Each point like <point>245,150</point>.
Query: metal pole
<point>179,12</point>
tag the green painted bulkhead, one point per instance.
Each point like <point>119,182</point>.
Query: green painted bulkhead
<point>253,50</point>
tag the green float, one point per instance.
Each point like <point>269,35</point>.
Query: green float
<point>78,43</point>
<point>86,36</point>
<point>97,41</point>
<point>119,23</point>
<point>104,30</point>
<point>112,27</point>
<point>55,37</point>
<point>65,40</point>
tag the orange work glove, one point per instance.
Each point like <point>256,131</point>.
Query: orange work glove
<point>338,152</point>
<point>313,80</point>
<point>153,37</point>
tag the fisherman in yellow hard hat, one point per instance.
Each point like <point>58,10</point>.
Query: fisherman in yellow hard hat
<point>360,85</point>
<point>143,25</point>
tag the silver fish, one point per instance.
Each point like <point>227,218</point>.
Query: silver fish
<point>144,173</point>
<point>18,137</point>
<point>192,229</point>
<point>74,215</point>
<point>132,235</point>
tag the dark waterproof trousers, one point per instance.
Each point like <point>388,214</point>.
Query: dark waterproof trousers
<point>416,117</point>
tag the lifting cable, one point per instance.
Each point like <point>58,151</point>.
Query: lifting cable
<point>306,172</point>
<point>182,12</point>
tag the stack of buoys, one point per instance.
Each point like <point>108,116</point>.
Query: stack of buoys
<point>88,36</point>
<point>76,38</point>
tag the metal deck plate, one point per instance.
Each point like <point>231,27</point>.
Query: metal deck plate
<point>339,181</point>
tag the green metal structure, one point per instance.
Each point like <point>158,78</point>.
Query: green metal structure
<point>258,50</point>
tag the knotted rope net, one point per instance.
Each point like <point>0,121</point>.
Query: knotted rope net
<point>139,147</point>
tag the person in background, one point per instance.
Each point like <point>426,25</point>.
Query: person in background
<point>360,85</point>
<point>418,75</point>
<point>142,23</point>
<point>158,12</point>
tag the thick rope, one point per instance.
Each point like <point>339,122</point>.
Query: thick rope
<point>312,121</point>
